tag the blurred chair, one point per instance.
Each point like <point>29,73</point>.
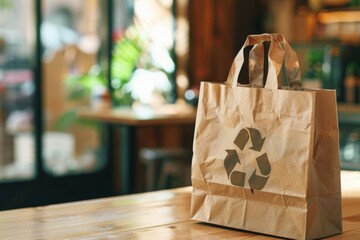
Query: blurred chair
<point>166,167</point>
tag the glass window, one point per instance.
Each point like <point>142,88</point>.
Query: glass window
<point>72,79</point>
<point>17,158</point>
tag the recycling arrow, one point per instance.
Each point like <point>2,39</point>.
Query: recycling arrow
<point>256,181</point>
<point>243,137</point>
<point>230,161</point>
<point>256,139</point>
<point>237,178</point>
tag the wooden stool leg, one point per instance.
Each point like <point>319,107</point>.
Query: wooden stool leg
<point>164,175</point>
<point>149,176</point>
<point>178,170</point>
<point>164,165</point>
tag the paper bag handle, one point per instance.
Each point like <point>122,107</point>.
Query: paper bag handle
<point>277,58</point>
<point>279,51</point>
<point>238,62</point>
<point>291,62</point>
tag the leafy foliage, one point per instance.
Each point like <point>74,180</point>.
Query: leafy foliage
<point>81,86</point>
<point>126,55</point>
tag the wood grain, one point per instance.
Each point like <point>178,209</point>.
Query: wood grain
<point>154,215</point>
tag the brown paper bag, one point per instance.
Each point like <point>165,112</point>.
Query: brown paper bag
<point>266,159</point>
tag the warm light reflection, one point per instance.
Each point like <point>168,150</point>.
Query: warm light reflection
<point>182,36</point>
<point>182,80</point>
<point>148,87</point>
<point>339,16</point>
<point>182,47</point>
<point>155,17</point>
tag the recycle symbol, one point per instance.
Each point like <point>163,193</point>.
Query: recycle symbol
<point>237,178</point>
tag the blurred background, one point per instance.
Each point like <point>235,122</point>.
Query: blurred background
<point>59,56</point>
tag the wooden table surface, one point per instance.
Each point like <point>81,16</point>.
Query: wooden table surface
<point>154,215</point>
<point>167,114</point>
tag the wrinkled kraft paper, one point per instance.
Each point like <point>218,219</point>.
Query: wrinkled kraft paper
<point>267,160</point>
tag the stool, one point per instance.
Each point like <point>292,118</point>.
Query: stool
<point>166,167</point>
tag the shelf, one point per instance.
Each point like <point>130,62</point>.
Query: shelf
<point>339,16</point>
<point>339,23</point>
<point>350,165</point>
<point>349,113</point>
<point>348,108</point>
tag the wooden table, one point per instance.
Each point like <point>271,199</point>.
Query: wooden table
<point>127,120</point>
<point>153,215</point>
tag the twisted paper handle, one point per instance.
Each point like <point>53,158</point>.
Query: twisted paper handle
<point>279,53</point>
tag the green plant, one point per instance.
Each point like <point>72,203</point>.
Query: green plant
<point>6,3</point>
<point>132,54</point>
<point>80,88</point>
<point>126,55</point>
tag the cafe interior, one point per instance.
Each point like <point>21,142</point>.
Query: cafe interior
<point>98,97</point>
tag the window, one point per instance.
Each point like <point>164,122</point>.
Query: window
<point>17,158</point>
<point>49,51</point>
<point>72,77</point>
